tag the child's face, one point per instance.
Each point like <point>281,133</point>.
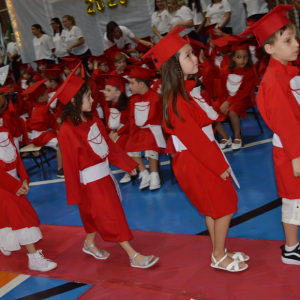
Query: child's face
<point>22,71</point>
<point>188,61</point>
<point>135,87</point>
<point>78,72</point>
<point>111,93</point>
<point>139,55</point>
<point>90,66</point>
<point>67,71</point>
<point>47,84</point>
<point>121,64</point>
<point>44,98</point>
<point>241,58</point>
<point>42,67</point>
<point>26,75</point>
<point>87,102</point>
<point>285,48</point>
<point>103,67</point>
<point>3,104</point>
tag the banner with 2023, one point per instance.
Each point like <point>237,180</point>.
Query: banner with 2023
<point>100,5</point>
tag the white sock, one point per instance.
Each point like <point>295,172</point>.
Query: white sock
<point>289,249</point>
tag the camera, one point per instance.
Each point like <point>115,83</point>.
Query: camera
<point>13,97</point>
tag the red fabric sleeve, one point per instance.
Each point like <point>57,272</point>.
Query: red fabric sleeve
<point>135,61</point>
<point>8,182</point>
<point>124,129</point>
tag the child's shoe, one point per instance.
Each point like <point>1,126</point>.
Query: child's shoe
<point>228,143</point>
<point>145,176</point>
<point>60,173</point>
<point>126,178</point>
<point>236,146</point>
<point>5,252</point>
<point>291,257</point>
<point>38,262</point>
<point>154,181</point>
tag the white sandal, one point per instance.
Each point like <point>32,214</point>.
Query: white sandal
<point>228,143</point>
<point>234,264</point>
<point>239,256</point>
<point>145,264</point>
<point>97,255</point>
<point>236,146</point>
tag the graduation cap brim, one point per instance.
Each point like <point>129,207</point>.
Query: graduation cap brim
<point>33,88</point>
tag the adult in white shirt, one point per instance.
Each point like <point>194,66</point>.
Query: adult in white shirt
<point>160,20</point>
<point>182,16</point>
<point>116,34</point>
<point>13,55</point>
<point>43,45</point>
<point>75,40</point>
<point>219,11</point>
<point>256,9</point>
<point>59,39</point>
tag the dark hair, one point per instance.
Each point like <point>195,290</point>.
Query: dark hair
<point>172,83</point>
<point>232,65</point>
<point>147,82</point>
<point>212,3</point>
<point>56,79</point>
<point>73,110</point>
<point>57,21</point>
<point>38,26</point>
<point>123,101</point>
<point>110,27</point>
<point>198,6</point>
<point>155,5</point>
<point>139,51</point>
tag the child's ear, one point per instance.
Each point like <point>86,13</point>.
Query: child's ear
<point>118,93</point>
<point>269,49</point>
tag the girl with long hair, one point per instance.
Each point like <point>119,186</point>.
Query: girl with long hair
<point>160,19</point>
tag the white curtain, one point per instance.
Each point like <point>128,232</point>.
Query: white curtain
<point>136,16</point>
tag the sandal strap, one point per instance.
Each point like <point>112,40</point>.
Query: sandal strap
<point>133,259</point>
<point>218,262</point>
<point>234,264</point>
<point>238,256</point>
<point>237,139</point>
<point>145,261</point>
<point>89,246</point>
<point>100,253</point>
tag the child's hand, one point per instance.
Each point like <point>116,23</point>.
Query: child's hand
<point>26,185</point>
<point>114,136</point>
<point>224,107</point>
<point>225,174</point>
<point>296,166</point>
<point>133,173</point>
<point>125,55</point>
<point>21,191</point>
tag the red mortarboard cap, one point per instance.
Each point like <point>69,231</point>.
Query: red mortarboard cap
<point>38,77</point>
<point>52,73</point>
<point>141,73</point>
<point>69,88</point>
<point>92,58</point>
<point>250,22</point>
<point>209,29</point>
<point>167,47</point>
<point>31,71</point>
<point>56,66</point>
<point>71,64</point>
<point>270,23</point>
<point>5,89</point>
<point>41,62</point>
<point>114,46</point>
<point>101,59</point>
<point>23,66</point>
<point>9,80</point>
<point>69,56</point>
<point>223,44</point>
<point>196,45</point>
<point>114,52</point>
<point>116,81</point>
<point>141,47</point>
<point>241,45</point>
<point>36,90</point>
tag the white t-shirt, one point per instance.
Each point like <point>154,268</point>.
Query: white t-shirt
<point>43,46</point>
<point>183,14</point>
<point>60,44</point>
<point>198,17</point>
<point>72,37</point>
<point>256,7</point>
<point>217,11</point>
<point>121,42</point>
<point>12,48</point>
<point>161,21</point>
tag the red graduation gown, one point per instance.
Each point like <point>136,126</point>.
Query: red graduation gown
<point>206,76</point>
<point>142,139</point>
<point>58,110</point>
<point>241,101</point>
<point>16,212</point>
<point>99,203</point>
<point>281,112</point>
<point>198,168</point>
<point>123,132</point>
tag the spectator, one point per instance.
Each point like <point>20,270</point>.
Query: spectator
<point>160,19</point>
<point>13,55</point>
<point>59,39</point>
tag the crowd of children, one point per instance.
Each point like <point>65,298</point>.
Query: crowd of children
<point>171,98</point>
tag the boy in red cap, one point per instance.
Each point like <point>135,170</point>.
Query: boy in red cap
<point>43,122</point>
<point>19,223</point>
<point>145,115</point>
<point>199,164</point>
<point>278,102</point>
<point>87,152</point>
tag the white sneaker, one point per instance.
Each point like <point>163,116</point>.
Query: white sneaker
<point>5,252</point>
<point>228,143</point>
<point>126,178</point>
<point>154,181</point>
<point>38,262</point>
<point>236,146</point>
<point>145,176</point>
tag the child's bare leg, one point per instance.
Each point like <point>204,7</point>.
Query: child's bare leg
<point>30,248</point>
<point>90,239</point>
<point>222,132</point>
<point>210,224</point>
<point>131,252</point>
<point>59,158</point>
<point>291,234</point>
<point>153,164</point>
<point>140,161</point>
<point>236,125</point>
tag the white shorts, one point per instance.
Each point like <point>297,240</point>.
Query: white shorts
<point>148,154</point>
<point>291,211</point>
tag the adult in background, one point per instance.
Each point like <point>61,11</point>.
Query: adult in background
<point>256,9</point>
<point>219,11</point>
<point>199,9</point>
<point>182,16</point>
<point>59,39</point>
<point>75,40</point>
<point>13,55</point>
<point>160,19</point>
<point>43,45</point>
<point>116,34</point>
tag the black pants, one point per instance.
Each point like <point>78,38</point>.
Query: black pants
<point>227,30</point>
<point>16,68</point>
<point>50,61</point>
<point>194,36</point>
<point>257,16</point>
<point>84,59</point>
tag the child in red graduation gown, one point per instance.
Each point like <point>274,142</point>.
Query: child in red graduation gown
<point>199,165</point>
<point>19,223</point>
<point>145,116</point>
<point>117,112</point>
<point>237,83</point>
<point>279,104</point>
<point>87,151</point>
<point>43,123</point>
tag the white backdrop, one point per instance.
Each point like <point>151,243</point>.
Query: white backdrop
<point>136,16</point>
